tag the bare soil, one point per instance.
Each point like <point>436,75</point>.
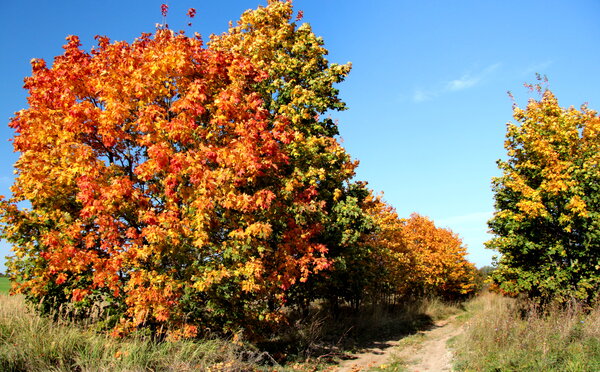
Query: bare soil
<point>431,353</point>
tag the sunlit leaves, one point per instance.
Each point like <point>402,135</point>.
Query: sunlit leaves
<point>548,202</point>
<point>400,258</point>
<point>158,175</point>
<point>438,263</point>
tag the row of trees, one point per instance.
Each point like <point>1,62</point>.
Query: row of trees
<point>182,187</point>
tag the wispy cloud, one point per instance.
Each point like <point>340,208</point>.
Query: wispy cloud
<point>539,67</point>
<point>421,96</point>
<point>466,81</point>
<point>462,83</point>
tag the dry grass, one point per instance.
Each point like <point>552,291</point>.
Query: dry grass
<point>324,338</point>
<point>29,342</point>
<point>32,343</point>
<point>506,335</point>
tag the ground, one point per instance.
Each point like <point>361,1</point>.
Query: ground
<point>426,351</point>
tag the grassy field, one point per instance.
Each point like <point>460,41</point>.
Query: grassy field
<point>501,335</point>
<point>33,343</point>
<point>4,285</point>
<point>506,335</point>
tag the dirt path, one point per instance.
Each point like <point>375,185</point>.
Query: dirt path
<point>429,354</point>
<point>372,357</point>
<point>433,353</point>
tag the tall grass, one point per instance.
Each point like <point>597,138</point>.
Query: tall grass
<point>29,342</point>
<point>506,335</point>
<point>32,343</point>
<point>501,335</point>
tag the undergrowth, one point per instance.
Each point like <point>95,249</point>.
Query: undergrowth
<point>319,340</point>
<point>504,334</point>
<point>29,342</point>
<point>327,336</point>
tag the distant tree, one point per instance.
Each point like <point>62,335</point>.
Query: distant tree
<point>547,219</point>
<point>483,277</point>
<point>486,271</point>
<point>437,260</point>
<point>399,258</point>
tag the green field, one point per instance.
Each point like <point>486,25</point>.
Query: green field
<point>4,285</point>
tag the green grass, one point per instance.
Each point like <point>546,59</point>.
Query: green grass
<point>506,335</point>
<point>4,285</point>
<point>395,366</point>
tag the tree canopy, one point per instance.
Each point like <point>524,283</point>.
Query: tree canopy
<point>547,220</point>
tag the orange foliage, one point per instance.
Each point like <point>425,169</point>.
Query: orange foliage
<point>185,187</point>
<point>438,263</point>
<point>154,174</point>
<point>414,257</point>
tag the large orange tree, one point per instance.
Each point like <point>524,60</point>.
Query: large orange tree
<point>178,186</point>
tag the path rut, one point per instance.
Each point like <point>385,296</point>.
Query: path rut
<point>431,354</point>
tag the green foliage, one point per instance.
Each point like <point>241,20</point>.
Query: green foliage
<point>547,220</point>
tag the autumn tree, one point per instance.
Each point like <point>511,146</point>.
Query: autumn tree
<point>300,85</point>
<point>404,257</point>
<point>437,260</point>
<point>178,186</point>
<point>547,219</point>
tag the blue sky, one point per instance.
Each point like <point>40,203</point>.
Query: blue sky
<point>427,94</point>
